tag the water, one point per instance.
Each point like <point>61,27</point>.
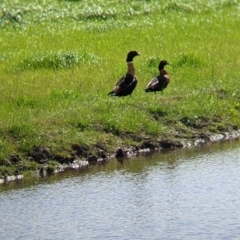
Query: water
<point>183,194</point>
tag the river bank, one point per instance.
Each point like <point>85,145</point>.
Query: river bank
<point>82,159</point>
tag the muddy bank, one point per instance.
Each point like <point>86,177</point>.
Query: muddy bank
<point>81,158</point>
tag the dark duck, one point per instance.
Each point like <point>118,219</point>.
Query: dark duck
<point>128,82</point>
<point>160,82</point>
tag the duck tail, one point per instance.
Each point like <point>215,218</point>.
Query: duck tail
<point>147,90</point>
<point>112,93</point>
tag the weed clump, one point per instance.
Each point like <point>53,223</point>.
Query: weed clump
<point>55,61</point>
<point>189,59</point>
<point>96,12</point>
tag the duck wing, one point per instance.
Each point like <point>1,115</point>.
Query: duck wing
<point>152,84</point>
<point>124,86</point>
<point>131,83</point>
<point>163,81</point>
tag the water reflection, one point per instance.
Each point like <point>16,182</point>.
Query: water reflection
<point>181,194</point>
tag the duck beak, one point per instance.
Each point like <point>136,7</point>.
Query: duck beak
<point>168,63</point>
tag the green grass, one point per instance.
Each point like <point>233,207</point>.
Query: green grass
<point>59,59</point>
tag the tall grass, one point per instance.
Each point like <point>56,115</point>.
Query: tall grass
<point>58,60</point>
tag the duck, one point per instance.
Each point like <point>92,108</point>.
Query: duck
<point>160,82</point>
<point>128,82</point>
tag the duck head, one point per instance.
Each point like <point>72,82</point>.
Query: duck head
<point>162,64</point>
<point>131,55</point>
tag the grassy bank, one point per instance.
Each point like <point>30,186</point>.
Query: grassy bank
<point>59,59</point>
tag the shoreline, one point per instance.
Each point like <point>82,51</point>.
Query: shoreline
<point>122,153</point>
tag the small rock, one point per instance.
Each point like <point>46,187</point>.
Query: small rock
<point>18,177</point>
<point>92,159</point>
<point>10,178</point>
<point>120,153</point>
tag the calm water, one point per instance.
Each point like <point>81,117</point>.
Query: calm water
<point>183,194</point>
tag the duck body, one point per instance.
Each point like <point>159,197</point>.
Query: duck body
<point>124,86</point>
<point>128,82</point>
<point>160,82</point>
